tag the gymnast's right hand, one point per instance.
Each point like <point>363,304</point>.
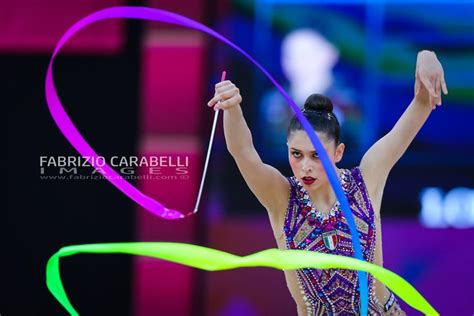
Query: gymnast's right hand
<point>227,96</point>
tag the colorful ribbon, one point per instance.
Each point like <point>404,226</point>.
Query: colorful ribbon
<point>215,260</point>
<point>75,138</point>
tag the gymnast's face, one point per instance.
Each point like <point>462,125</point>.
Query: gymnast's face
<point>304,160</point>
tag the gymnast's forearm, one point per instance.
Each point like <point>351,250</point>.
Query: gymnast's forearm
<point>237,134</point>
<point>407,127</point>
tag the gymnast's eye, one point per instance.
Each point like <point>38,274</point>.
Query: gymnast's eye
<point>315,155</point>
<point>296,154</point>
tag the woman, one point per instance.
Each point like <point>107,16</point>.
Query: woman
<point>303,210</point>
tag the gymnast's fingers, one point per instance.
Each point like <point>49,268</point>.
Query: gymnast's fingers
<point>222,96</point>
<point>235,100</point>
<point>438,90</point>
<point>218,97</point>
<point>429,86</point>
<point>223,83</point>
<point>227,94</point>
<point>212,101</point>
<point>443,85</point>
<point>221,92</point>
<point>224,88</point>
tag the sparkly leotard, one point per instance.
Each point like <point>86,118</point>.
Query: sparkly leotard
<point>334,291</point>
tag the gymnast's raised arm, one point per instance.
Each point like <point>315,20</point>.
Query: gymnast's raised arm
<point>267,183</point>
<point>382,156</point>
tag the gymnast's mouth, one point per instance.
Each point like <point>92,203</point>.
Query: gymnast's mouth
<point>308,180</point>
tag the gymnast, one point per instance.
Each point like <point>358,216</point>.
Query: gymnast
<point>303,210</point>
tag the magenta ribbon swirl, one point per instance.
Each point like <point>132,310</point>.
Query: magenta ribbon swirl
<point>80,144</point>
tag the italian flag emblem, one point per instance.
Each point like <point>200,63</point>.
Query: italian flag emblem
<point>330,239</point>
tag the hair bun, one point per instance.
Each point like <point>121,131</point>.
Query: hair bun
<point>318,103</point>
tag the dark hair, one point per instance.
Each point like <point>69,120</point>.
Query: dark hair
<point>318,111</point>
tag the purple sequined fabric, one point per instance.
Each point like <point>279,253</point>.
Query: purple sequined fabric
<point>332,291</point>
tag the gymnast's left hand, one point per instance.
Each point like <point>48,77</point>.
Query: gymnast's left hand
<point>429,79</point>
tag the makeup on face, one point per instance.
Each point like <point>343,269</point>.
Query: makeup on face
<point>304,160</point>
<point>308,180</point>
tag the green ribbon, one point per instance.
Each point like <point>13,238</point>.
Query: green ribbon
<point>215,260</point>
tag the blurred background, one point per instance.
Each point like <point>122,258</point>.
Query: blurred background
<point>139,89</point>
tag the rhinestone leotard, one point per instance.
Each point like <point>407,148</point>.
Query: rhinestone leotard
<point>334,291</point>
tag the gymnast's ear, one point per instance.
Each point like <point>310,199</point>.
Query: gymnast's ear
<point>339,152</point>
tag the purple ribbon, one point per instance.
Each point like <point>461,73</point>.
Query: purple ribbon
<point>75,138</point>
